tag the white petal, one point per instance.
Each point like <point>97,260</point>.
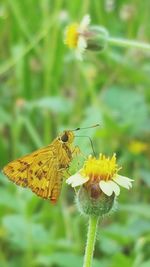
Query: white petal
<point>84,23</point>
<point>106,187</point>
<point>123,181</point>
<point>81,47</point>
<point>79,55</point>
<point>115,188</point>
<point>82,43</point>
<point>109,187</point>
<point>76,180</point>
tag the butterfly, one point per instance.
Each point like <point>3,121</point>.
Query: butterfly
<point>43,170</point>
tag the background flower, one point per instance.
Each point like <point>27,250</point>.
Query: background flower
<point>75,36</point>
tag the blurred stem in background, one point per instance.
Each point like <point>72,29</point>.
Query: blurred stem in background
<point>128,43</point>
<point>91,236</point>
<point>50,44</point>
<point>13,61</point>
<point>98,38</point>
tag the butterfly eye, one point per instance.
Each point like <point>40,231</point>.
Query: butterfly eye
<point>64,138</point>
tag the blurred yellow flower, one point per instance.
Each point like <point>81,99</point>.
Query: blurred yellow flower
<point>102,171</point>
<point>75,36</point>
<point>137,147</point>
<point>71,39</point>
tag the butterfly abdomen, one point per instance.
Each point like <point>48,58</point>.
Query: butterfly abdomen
<point>56,190</point>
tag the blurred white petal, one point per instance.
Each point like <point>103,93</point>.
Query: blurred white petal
<point>79,55</point>
<point>84,23</point>
<point>82,44</point>
<point>115,188</point>
<point>81,47</point>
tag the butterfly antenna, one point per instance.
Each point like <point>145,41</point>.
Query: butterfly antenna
<point>84,128</point>
<point>90,142</point>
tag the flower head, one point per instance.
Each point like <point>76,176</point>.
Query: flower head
<point>101,172</point>
<point>75,36</point>
<point>82,36</point>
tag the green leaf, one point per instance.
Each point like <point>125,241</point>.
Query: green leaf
<point>108,245</point>
<point>142,209</point>
<point>55,104</point>
<point>4,117</point>
<point>23,234</point>
<point>128,107</point>
<point>145,176</point>
<point>7,199</point>
<point>63,259</point>
<point>121,260</point>
<point>145,264</point>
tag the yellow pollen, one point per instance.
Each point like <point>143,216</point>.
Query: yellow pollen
<point>103,168</point>
<point>71,38</point>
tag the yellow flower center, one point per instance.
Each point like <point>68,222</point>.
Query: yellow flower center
<point>71,38</point>
<point>103,168</point>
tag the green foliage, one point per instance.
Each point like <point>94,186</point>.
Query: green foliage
<point>44,90</point>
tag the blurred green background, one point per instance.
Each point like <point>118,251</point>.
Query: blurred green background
<point>44,90</point>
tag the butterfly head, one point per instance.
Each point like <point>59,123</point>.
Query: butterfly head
<point>67,137</point>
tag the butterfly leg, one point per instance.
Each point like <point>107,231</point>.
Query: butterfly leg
<point>77,151</point>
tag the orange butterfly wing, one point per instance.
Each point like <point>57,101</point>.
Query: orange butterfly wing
<point>39,171</point>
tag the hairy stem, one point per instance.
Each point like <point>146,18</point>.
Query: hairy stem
<point>93,220</point>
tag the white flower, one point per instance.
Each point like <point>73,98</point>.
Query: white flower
<point>75,36</point>
<point>102,171</point>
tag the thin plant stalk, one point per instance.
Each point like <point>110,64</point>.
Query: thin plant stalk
<point>128,43</point>
<point>90,244</point>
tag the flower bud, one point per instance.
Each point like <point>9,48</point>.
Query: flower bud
<point>92,201</point>
<point>97,38</point>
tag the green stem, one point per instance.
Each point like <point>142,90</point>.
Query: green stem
<point>4,67</point>
<point>93,220</point>
<point>128,43</point>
